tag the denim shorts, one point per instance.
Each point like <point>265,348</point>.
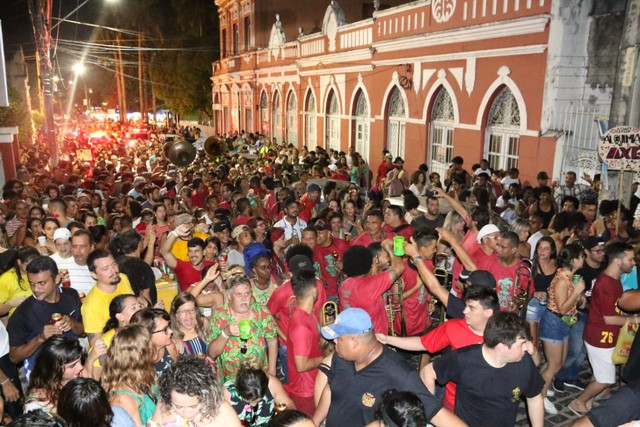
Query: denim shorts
<point>535,310</point>
<point>553,329</point>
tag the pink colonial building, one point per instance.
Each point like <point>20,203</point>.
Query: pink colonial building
<point>428,80</point>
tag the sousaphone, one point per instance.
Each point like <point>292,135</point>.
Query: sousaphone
<point>180,152</point>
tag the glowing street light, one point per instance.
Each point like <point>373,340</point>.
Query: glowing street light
<point>78,68</point>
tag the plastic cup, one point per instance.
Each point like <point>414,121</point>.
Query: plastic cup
<point>398,246</point>
<point>245,329</point>
<point>42,240</point>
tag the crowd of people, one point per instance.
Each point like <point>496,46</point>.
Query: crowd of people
<point>311,288</point>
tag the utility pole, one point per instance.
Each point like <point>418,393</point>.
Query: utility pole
<point>143,111</point>
<point>40,13</point>
<point>120,68</point>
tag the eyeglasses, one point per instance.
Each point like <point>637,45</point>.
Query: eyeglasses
<point>166,330</point>
<point>185,312</point>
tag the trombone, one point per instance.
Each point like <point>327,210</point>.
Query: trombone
<point>521,294</point>
<point>441,271</point>
<point>394,307</point>
<point>442,268</point>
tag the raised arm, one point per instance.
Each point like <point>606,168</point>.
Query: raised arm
<point>397,264</point>
<point>182,231</point>
<point>463,255</point>
<point>426,275</point>
<point>457,206</point>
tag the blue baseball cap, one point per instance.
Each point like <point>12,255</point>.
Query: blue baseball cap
<point>352,321</point>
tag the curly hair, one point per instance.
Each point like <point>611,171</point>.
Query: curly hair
<point>181,299</point>
<point>192,376</point>
<point>56,352</point>
<point>129,361</point>
<point>401,408</point>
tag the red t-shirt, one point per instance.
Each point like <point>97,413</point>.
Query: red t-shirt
<point>329,272</point>
<point>406,231</point>
<point>470,244</point>
<point>282,300</point>
<point>187,275</point>
<point>456,334</point>
<point>416,306</point>
<point>365,239</point>
<point>604,302</point>
<point>306,208</point>
<point>241,220</point>
<point>271,205</point>
<point>382,171</point>
<point>505,280</point>
<point>365,292</point>
<point>303,339</point>
<point>197,198</point>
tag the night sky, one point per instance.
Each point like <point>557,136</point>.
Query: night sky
<point>17,29</point>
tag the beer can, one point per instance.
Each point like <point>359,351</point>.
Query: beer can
<point>281,407</point>
<point>55,318</point>
<point>65,280</point>
<point>398,246</point>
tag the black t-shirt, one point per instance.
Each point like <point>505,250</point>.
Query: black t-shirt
<point>355,396</point>
<point>621,408</point>
<point>488,396</point>
<point>455,307</point>
<point>140,275</point>
<point>423,221</point>
<point>32,315</point>
<point>589,274</point>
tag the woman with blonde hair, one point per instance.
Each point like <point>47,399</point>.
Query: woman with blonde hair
<point>521,227</point>
<point>129,377</point>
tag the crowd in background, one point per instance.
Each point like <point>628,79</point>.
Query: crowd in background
<point>312,287</point>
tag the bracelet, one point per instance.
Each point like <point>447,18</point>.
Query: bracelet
<point>224,335</point>
<point>417,260</point>
<point>5,381</point>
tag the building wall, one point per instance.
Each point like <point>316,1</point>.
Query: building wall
<point>470,48</point>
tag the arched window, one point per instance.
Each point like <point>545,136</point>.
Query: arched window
<point>264,111</point>
<point>276,118</point>
<point>361,125</point>
<point>332,122</point>
<point>310,122</point>
<point>292,119</point>
<point>441,133</point>
<point>503,130</point>
<point>396,122</point>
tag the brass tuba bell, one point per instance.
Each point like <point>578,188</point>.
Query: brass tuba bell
<point>215,146</point>
<point>180,152</point>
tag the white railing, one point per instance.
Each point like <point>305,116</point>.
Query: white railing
<point>472,9</point>
<point>362,37</point>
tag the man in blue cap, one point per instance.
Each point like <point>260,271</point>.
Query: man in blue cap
<point>361,370</point>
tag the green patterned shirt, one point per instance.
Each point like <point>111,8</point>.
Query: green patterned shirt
<point>263,327</point>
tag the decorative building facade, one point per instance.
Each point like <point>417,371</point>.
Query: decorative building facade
<point>427,80</point>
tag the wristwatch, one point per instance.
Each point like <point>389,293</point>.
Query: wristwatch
<point>417,260</point>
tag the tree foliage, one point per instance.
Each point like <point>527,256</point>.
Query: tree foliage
<point>17,114</point>
<point>182,78</point>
